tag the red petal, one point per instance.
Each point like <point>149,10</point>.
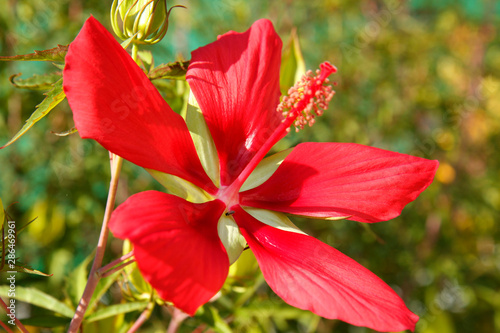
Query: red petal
<point>114,103</point>
<point>236,83</point>
<point>311,275</point>
<point>343,179</point>
<point>176,246</point>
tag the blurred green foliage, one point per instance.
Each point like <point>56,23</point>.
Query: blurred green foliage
<point>418,77</point>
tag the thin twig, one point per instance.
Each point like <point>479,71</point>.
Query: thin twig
<point>104,269</point>
<point>177,318</point>
<point>20,326</point>
<point>116,269</point>
<point>116,163</point>
<point>142,318</point>
<point>5,327</point>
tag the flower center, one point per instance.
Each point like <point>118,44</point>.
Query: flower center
<point>306,100</point>
<point>309,97</point>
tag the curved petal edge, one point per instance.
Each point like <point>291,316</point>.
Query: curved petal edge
<point>311,275</point>
<point>176,246</point>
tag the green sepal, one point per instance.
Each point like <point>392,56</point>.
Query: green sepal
<point>244,267</point>
<point>230,237</point>
<point>53,97</point>
<point>126,43</point>
<point>265,169</point>
<point>143,289</point>
<point>173,70</point>
<point>36,82</point>
<point>56,54</point>
<point>202,139</point>
<point>181,187</point>
<point>292,64</point>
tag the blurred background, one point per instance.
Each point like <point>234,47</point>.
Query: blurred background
<point>418,77</point>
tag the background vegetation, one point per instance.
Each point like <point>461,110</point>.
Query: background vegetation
<point>419,77</point>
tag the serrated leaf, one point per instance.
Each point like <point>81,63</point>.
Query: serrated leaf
<point>46,321</point>
<point>53,97</point>
<point>55,54</point>
<point>38,298</point>
<point>116,309</point>
<point>36,82</point>
<point>173,70</point>
<point>22,268</point>
<point>65,133</point>
<point>292,64</point>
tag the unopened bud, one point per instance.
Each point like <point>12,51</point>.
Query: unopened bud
<point>146,21</point>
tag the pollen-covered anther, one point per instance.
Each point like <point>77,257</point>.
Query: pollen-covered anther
<point>309,97</point>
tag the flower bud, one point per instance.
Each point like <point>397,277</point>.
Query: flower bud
<point>146,21</point>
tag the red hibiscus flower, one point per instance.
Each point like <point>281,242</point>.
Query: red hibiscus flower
<point>225,193</point>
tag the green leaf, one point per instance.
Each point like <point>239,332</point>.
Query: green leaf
<point>46,321</point>
<point>116,309</point>
<point>38,298</point>
<point>59,66</point>
<point>26,225</point>
<point>172,70</point>
<point>72,130</point>
<point>23,268</point>
<point>36,82</point>
<point>77,279</point>
<point>53,97</point>
<point>56,54</point>
<point>292,64</point>
<point>214,320</point>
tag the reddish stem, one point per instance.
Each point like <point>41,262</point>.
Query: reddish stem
<point>18,323</point>
<point>116,163</point>
<point>142,318</point>
<point>177,318</point>
<point>110,268</point>
<point>7,329</point>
